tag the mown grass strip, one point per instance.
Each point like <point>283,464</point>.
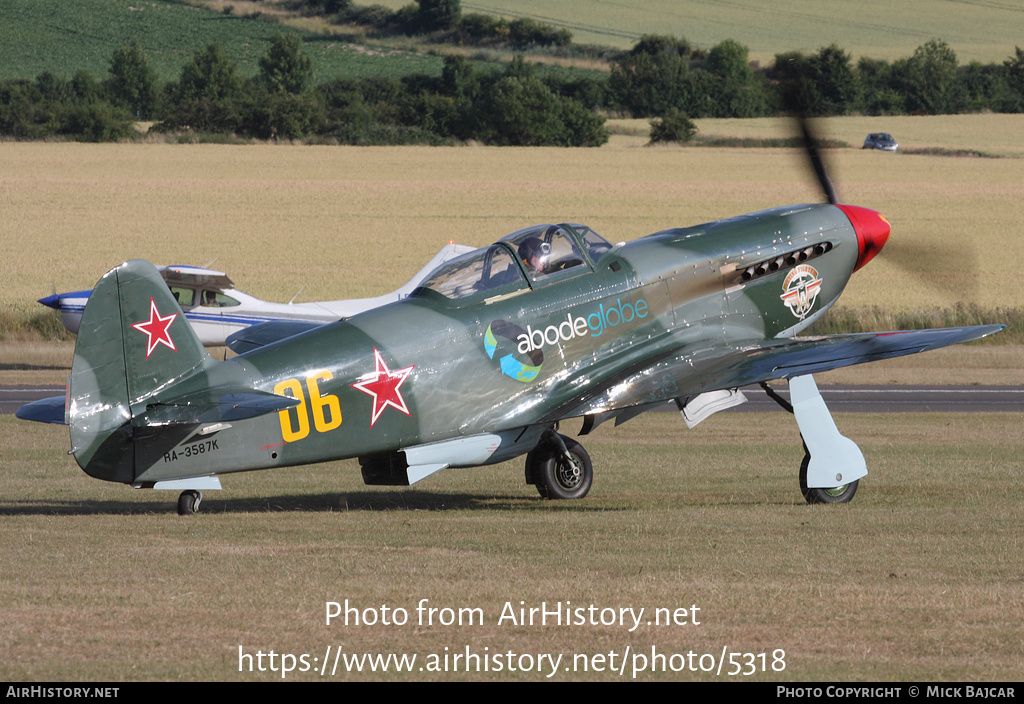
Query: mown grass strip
<point>876,318</point>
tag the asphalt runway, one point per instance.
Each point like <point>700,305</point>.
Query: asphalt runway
<point>840,399</point>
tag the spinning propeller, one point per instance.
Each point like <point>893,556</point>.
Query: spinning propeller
<point>872,228</point>
<point>932,265</point>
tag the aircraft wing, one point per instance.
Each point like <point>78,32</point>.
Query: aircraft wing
<point>696,368</point>
<point>195,276</point>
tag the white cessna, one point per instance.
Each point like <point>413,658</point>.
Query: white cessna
<point>216,309</point>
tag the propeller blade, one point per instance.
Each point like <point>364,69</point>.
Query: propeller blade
<point>817,162</point>
<point>927,264</point>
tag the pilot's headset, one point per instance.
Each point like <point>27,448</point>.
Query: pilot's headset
<point>534,247</point>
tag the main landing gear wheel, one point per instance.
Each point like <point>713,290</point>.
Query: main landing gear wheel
<point>837,495</point>
<point>188,502</point>
<point>556,475</point>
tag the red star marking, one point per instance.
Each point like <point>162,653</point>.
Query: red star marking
<point>156,329</point>
<point>383,385</point>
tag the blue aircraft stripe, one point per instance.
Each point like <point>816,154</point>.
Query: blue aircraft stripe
<point>233,319</point>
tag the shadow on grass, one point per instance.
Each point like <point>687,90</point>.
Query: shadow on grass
<point>369,501</point>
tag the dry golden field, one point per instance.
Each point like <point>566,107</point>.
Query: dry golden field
<point>340,222</point>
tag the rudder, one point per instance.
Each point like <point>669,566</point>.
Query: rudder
<point>133,341</point>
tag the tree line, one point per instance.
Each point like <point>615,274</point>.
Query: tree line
<point>663,73</point>
<point>510,107</point>
<point>660,77</point>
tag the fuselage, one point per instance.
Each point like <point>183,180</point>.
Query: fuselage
<point>434,367</point>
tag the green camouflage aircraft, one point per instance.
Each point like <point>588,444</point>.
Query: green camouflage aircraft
<point>484,360</point>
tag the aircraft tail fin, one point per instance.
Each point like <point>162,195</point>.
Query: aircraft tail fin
<point>134,341</point>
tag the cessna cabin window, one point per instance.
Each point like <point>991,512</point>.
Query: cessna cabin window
<point>545,249</point>
<point>491,271</point>
<point>186,297</point>
<point>216,299</point>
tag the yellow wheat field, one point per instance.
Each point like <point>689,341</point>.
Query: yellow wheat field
<point>328,222</point>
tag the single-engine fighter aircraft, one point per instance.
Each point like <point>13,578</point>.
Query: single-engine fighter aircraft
<point>217,309</point>
<point>483,360</point>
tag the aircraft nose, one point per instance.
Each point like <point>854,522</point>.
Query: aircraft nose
<point>872,231</point>
<point>52,301</point>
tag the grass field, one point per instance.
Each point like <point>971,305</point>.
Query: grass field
<point>977,30</point>
<point>918,579</point>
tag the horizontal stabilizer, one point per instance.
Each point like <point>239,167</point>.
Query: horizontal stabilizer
<point>263,334</point>
<point>45,410</point>
<point>214,405</point>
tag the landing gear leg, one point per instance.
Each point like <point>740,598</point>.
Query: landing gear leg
<point>560,468</point>
<point>833,464</point>
<point>188,502</point>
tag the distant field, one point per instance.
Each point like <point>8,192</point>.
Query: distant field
<point>977,30</point>
<point>998,135</point>
<point>341,222</point>
<point>63,37</point>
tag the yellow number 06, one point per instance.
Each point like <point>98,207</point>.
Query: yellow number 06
<point>322,407</point>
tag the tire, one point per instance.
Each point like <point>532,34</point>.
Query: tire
<point>558,478</point>
<point>839,495</point>
<point>535,465</point>
<point>188,502</point>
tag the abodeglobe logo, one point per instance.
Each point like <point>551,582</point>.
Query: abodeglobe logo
<point>500,344</point>
<point>594,324</point>
<point>520,352</point>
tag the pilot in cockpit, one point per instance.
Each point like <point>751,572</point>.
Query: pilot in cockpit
<point>535,254</point>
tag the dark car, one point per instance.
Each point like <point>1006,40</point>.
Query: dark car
<point>881,140</point>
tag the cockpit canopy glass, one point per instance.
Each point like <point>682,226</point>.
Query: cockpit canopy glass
<point>545,249</point>
<point>492,271</point>
<point>594,243</point>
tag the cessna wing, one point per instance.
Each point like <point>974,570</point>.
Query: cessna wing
<point>185,275</point>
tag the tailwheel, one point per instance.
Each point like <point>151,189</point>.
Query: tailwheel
<point>836,495</point>
<point>560,469</point>
<point>188,502</point>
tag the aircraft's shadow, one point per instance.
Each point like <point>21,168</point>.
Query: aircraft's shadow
<point>369,501</point>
